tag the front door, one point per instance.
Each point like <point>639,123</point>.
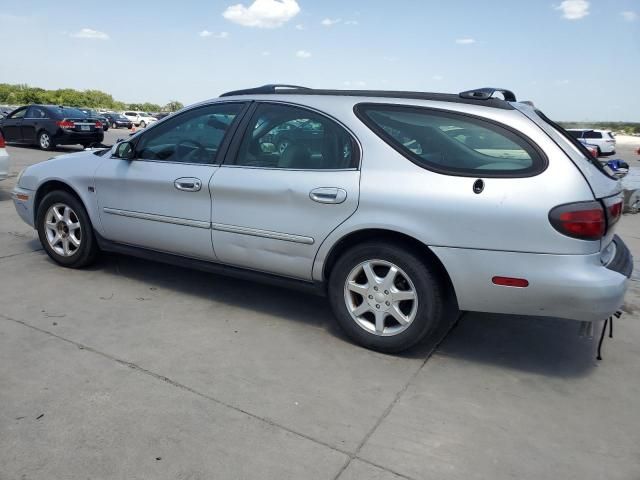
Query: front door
<point>160,200</point>
<point>274,202</point>
<point>11,125</point>
<point>32,123</point>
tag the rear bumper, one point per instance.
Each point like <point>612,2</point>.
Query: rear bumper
<point>64,137</point>
<point>576,287</point>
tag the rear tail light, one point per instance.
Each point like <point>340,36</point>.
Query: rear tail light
<point>583,220</point>
<point>2,144</point>
<point>66,124</point>
<point>614,211</point>
<point>98,124</point>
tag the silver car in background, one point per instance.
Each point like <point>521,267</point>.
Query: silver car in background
<point>396,205</point>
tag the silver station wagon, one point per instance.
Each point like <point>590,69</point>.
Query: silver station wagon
<point>396,205</point>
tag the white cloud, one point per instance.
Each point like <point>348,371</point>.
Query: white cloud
<point>330,22</point>
<point>303,54</point>
<point>629,16</point>
<point>89,33</point>
<point>352,22</point>
<point>574,9</point>
<point>465,41</point>
<point>299,27</point>
<point>263,13</point>
<point>207,33</point>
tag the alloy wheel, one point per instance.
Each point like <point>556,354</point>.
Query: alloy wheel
<point>380,297</point>
<point>63,230</point>
<point>45,140</point>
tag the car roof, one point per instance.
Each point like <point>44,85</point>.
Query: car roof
<point>481,96</point>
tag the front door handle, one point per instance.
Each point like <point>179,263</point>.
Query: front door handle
<point>328,195</point>
<point>188,184</point>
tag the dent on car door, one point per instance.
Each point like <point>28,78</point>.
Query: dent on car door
<point>273,207</point>
<point>160,200</point>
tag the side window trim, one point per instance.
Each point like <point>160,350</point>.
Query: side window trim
<point>243,128</point>
<point>542,160</point>
<point>224,145</point>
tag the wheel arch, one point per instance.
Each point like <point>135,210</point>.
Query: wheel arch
<point>393,237</point>
<point>51,186</point>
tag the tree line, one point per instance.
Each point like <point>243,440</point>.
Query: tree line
<point>628,128</point>
<point>24,94</point>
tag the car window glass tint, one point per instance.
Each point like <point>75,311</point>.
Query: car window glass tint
<point>19,114</point>
<point>281,136</point>
<point>453,143</point>
<point>592,134</point>
<point>192,137</point>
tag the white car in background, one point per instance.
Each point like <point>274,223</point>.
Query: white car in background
<point>4,159</point>
<point>139,119</point>
<point>602,139</point>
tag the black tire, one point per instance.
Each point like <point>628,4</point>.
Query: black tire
<point>114,125</point>
<point>45,142</point>
<point>425,279</point>
<point>86,253</point>
<point>143,124</point>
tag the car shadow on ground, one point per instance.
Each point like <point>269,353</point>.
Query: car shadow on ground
<point>545,346</point>
<point>536,345</point>
<point>291,305</point>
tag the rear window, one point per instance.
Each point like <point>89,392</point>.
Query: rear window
<point>452,143</point>
<point>66,112</point>
<point>575,134</point>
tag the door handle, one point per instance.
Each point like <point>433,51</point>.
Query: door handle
<point>188,184</point>
<point>328,195</point>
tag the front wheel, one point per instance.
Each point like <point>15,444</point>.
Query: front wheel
<point>65,230</point>
<point>114,125</point>
<point>385,298</point>
<point>143,125</point>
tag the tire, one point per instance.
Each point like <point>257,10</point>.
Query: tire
<point>114,125</point>
<point>143,125</point>
<point>79,247</point>
<point>45,142</point>
<point>422,315</point>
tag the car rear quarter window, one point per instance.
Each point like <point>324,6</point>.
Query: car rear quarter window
<point>592,134</point>
<point>453,143</point>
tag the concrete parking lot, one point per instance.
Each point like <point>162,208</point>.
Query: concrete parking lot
<point>138,370</point>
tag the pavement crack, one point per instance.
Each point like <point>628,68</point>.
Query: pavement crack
<point>18,254</point>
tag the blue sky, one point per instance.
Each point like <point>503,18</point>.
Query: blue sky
<point>576,59</point>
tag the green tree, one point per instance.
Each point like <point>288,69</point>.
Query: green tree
<point>173,106</point>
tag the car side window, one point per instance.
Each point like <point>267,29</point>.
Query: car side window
<point>36,113</point>
<point>194,136</point>
<point>282,136</point>
<point>19,114</point>
<point>592,134</point>
<point>453,143</point>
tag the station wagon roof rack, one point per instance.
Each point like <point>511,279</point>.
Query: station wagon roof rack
<point>481,96</point>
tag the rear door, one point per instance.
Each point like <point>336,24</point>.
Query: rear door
<point>161,199</point>
<point>34,120</point>
<point>274,204</point>
<point>11,125</point>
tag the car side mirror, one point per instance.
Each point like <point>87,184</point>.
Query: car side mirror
<point>125,151</point>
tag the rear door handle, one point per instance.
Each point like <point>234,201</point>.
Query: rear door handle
<point>328,195</point>
<point>188,184</point>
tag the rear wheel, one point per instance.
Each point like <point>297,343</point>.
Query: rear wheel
<point>114,125</point>
<point>143,125</point>
<point>385,298</point>
<point>45,142</point>
<point>65,230</point>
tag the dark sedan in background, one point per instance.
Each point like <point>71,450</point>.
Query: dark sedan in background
<point>48,125</point>
<point>117,120</point>
<point>93,114</point>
